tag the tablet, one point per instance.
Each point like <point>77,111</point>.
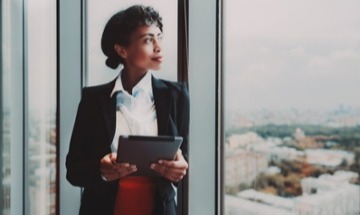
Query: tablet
<point>144,150</point>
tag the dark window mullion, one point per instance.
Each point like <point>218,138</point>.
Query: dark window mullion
<point>25,112</point>
<point>1,116</point>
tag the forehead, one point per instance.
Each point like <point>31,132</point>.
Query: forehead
<point>146,30</point>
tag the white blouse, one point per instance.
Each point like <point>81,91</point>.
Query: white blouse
<point>135,113</point>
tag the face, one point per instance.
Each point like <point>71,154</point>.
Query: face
<point>144,51</point>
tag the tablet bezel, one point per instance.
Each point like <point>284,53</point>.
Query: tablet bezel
<point>144,150</point>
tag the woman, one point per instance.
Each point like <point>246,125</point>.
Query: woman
<point>134,103</point>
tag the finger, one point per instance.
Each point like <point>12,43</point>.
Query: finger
<point>113,157</point>
<point>173,176</point>
<point>106,159</point>
<point>172,170</point>
<point>179,155</point>
<point>121,165</point>
<point>182,164</point>
<point>112,166</point>
<point>111,176</point>
<point>105,165</point>
<point>133,168</point>
<point>176,175</point>
<point>168,171</point>
<point>117,171</point>
<point>178,172</point>
<point>162,170</point>
<point>105,171</point>
<point>128,170</point>
<point>179,152</point>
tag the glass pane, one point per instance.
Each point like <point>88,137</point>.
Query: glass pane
<point>41,107</point>
<point>5,110</point>
<point>292,110</point>
<point>99,12</point>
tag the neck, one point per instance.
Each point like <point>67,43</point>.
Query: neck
<point>130,78</point>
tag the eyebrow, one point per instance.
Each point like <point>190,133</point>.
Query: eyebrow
<point>149,34</point>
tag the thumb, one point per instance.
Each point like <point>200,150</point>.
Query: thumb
<point>113,157</point>
<point>178,155</point>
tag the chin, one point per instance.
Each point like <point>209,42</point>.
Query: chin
<point>157,68</point>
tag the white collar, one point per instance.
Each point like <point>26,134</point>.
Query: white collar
<point>144,84</point>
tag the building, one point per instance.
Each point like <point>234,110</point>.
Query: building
<point>329,194</point>
<point>275,153</point>
<point>239,206</point>
<point>329,158</point>
<point>243,166</point>
<point>326,195</point>
<point>244,140</point>
<point>253,142</point>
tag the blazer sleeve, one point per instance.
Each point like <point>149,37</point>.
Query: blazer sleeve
<point>85,151</point>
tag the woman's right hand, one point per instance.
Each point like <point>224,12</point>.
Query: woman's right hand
<point>111,170</point>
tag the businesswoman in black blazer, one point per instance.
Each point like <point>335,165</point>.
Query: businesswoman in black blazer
<point>134,103</point>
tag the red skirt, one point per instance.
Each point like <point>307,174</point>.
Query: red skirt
<point>135,196</point>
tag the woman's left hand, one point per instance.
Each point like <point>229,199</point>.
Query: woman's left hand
<point>173,170</point>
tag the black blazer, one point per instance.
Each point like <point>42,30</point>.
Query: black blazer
<point>92,136</point>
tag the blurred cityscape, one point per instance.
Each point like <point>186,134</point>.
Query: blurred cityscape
<point>293,162</point>
<point>41,163</point>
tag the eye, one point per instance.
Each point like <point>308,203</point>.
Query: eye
<point>160,37</point>
<point>149,40</point>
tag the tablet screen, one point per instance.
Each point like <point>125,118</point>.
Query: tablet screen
<point>144,150</point>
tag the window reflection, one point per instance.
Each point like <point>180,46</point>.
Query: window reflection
<point>41,107</point>
<point>5,111</point>
<point>5,174</point>
<point>292,117</point>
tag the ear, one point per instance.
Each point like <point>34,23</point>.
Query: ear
<point>121,51</point>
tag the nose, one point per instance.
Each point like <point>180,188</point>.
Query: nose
<point>157,45</point>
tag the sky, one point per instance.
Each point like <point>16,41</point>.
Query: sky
<point>292,54</point>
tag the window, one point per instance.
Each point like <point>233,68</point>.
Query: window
<point>80,51</point>
<point>27,133</point>
<point>28,108</point>
<point>40,110</point>
<point>292,114</point>
<point>11,114</point>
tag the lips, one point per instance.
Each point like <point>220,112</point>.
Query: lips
<point>158,58</point>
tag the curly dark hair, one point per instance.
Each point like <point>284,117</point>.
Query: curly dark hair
<point>121,25</point>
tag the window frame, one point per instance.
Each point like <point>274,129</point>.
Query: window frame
<point>72,47</point>
<point>205,77</point>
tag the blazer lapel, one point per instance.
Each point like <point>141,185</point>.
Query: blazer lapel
<point>108,107</point>
<point>162,105</point>
<point>162,98</point>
